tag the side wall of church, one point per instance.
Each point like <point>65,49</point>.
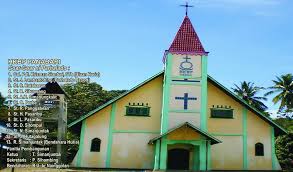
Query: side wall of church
<point>124,139</point>
<point>96,126</point>
<point>258,131</point>
<point>245,125</point>
<point>131,134</point>
<point>228,154</point>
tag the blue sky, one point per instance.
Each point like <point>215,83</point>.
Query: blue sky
<point>125,40</point>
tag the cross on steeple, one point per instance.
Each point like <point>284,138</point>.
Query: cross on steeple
<point>186,7</point>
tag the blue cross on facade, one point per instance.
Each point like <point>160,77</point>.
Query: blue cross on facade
<point>185,98</point>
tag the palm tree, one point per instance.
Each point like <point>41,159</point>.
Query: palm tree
<point>283,87</point>
<point>247,91</point>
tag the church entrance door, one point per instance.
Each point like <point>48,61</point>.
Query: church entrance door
<point>178,159</point>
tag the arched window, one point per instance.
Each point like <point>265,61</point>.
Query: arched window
<point>259,150</point>
<point>96,144</point>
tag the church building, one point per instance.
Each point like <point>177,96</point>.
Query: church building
<point>178,119</point>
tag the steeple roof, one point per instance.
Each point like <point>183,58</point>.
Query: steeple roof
<point>186,40</point>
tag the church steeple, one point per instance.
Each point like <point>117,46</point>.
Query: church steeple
<point>185,87</point>
<point>186,40</point>
<point>185,80</point>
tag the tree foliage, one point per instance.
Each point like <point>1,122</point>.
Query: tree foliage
<point>72,149</point>
<point>283,90</point>
<point>85,97</point>
<point>286,123</point>
<point>248,92</point>
<point>284,151</point>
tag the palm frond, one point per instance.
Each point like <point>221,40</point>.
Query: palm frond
<point>271,92</point>
<point>260,98</point>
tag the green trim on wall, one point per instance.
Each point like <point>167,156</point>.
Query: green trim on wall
<point>166,94</point>
<point>185,111</point>
<point>273,149</point>
<point>185,83</point>
<point>163,155</point>
<point>225,134</point>
<point>196,158</point>
<point>110,136</point>
<point>165,111</point>
<point>244,133</point>
<point>209,167</point>
<point>81,144</point>
<point>202,155</point>
<point>204,93</point>
<point>157,154</point>
<point>136,131</point>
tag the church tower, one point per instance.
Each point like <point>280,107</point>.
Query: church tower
<point>185,85</point>
<point>185,82</point>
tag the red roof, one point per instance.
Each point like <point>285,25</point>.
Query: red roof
<point>186,40</point>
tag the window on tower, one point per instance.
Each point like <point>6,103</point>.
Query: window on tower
<point>259,149</point>
<point>95,145</point>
